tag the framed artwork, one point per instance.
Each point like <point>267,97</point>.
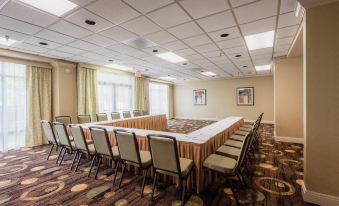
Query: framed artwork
<point>245,96</point>
<point>199,97</point>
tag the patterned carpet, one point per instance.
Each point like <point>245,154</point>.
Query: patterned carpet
<point>26,178</point>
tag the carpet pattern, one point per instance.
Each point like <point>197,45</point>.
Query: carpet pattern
<point>27,178</point>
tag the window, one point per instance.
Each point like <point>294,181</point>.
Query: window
<point>158,98</point>
<point>12,105</point>
<point>115,92</point>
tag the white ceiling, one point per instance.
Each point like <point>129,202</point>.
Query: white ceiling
<point>189,28</point>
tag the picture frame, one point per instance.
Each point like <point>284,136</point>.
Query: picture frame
<point>245,96</point>
<point>199,97</point>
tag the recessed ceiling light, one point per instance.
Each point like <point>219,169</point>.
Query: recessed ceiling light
<point>184,64</point>
<point>238,55</point>
<point>209,74</point>
<point>169,78</point>
<point>224,35</point>
<point>119,67</point>
<point>56,7</point>
<point>260,41</point>
<point>6,41</point>
<point>110,60</point>
<point>43,43</point>
<point>171,57</point>
<point>155,50</point>
<point>244,66</point>
<point>263,67</point>
<point>90,22</point>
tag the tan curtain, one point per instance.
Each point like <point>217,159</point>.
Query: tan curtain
<point>140,97</point>
<point>87,91</point>
<point>170,102</point>
<point>39,103</point>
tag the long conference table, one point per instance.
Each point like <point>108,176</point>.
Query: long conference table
<point>196,145</point>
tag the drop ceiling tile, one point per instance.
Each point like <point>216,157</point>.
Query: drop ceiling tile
<point>82,2</point>
<point>80,59</point>
<point>219,59</point>
<point>160,37</point>
<point>231,43</point>
<point>95,56</point>
<point>194,57</point>
<point>258,10</point>
<point>236,3</point>
<point>141,26</point>
<point>288,6</point>
<point>30,47</point>
<point>264,61</point>
<point>266,57</point>
<point>59,54</point>
<point>198,40</point>
<point>138,54</point>
<point>119,34</point>
<point>206,48</point>
<point>287,31</point>
<point>67,28</point>
<point>289,19</point>
<point>70,50</point>
<point>19,26</point>
<point>54,36</point>
<point>232,32</point>
<point>100,40</point>
<point>185,52</point>
<point>265,51</point>
<point>212,53</point>
<point>217,21</point>
<point>79,17</point>
<point>84,45</point>
<point>35,41</point>
<point>12,34</point>
<point>235,50</point>
<point>230,68</point>
<point>259,26</point>
<point>169,16</point>
<point>122,48</point>
<point>202,8</point>
<point>282,48</point>
<point>284,41</point>
<point>186,30</point>
<point>145,6</point>
<point>28,14</point>
<point>280,53</point>
<point>113,10</point>
<point>106,52</point>
<point>175,45</point>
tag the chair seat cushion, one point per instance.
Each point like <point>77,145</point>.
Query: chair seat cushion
<point>145,157</point>
<point>246,129</point>
<point>185,166</point>
<point>233,143</point>
<point>239,132</point>
<point>220,163</point>
<point>228,151</point>
<point>238,137</point>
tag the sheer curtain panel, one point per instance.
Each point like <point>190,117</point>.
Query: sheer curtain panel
<point>159,98</point>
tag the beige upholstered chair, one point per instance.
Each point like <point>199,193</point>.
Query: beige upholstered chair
<point>126,114</point>
<point>231,151</point>
<point>66,120</point>
<point>82,119</point>
<point>102,117</point>
<point>130,154</point>
<point>82,146</point>
<point>166,160</point>
<point>136,113</point>
<point>145,113</point>
<point>51,138</point>
<point>115,115</point>
<point>103,147</point>
<point>64,141</point>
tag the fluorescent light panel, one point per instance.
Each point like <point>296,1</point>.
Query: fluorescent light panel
<point>56,7</point>
<point>120,67</point>
<point>260,41</point>
<point>209,74</point>
<point>263,67</point>
<point>171,57</point>
<point>167,78</point>
<point>6,42</point>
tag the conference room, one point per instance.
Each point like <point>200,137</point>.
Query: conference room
<point>169,102</point>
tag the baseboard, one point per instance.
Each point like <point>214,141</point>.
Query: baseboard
<point>318,198</point>
<point>289,139</point>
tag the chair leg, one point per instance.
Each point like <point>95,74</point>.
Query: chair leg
<point>98,167</point>
<point>233,192</point>
<point>50,151</point>
<point>92,163</point>
<point>143,183</point>
<point>56,162</point>
<point>63,155</point>
<point>122,175</point>
<point>154,183</point>
<point>74,158</point>
<point>183,184</point>
<point>116,171</point>
<point>77,165</point>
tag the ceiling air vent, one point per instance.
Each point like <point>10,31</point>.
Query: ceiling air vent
<point>139,43</point>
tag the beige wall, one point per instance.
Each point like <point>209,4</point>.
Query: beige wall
<point>321,78</point>
<point>221,99</point>
<point>288,97</point>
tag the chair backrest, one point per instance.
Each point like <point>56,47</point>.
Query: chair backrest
<point>244,149</point>
<point>164,153</point>
<point>101,141</point>
<point>136,113</point>
<point>115,115</point>
<point>48,131</point>
<point>79,137</point>
<point>82,119</point>
<point>126,114</point>
<point>128,146</point>
<point>61,130</point>
<point>66,120</point>
<point>102,117</point>
<point>145,113</point>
